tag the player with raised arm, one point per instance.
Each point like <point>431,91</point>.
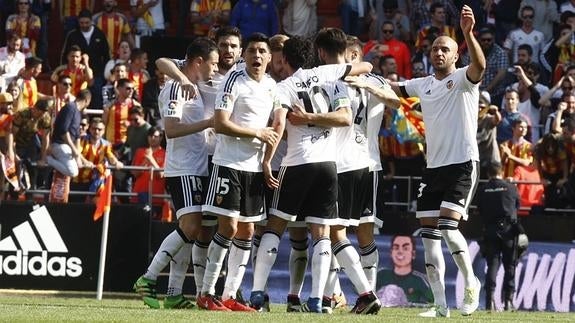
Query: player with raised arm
<point>449,105</point>
<point>236,193</point>
<point>186,171</point>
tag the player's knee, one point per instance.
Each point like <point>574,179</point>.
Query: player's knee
<point>448,228</point>
<point>189,231</point>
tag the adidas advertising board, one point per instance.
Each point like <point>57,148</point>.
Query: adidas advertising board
<point>40,250</point>
<point>57,246</point>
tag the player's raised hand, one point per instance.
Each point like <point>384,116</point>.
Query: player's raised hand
<point>188,89</point>
<point>467,20</point>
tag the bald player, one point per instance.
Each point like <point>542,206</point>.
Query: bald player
<point>449,105</point>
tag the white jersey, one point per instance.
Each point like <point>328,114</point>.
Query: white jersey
<point>185,155</point>
<point>209,90</point>
<point>310,144</point>
<point>449,108</point>
<point>250,104</point>
<point>363,138</point>
<point>517,37</point>
<point>352,150</point>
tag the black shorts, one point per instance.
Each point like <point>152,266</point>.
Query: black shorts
<point>352,198</point>
<point>235,193</point>
<point>451,187</point>
<point>187,192</point>
<point>307,193</point>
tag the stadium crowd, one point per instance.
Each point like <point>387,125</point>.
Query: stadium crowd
<point>526,112</point>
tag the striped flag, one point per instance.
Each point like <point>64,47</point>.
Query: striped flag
<point>103,197</point>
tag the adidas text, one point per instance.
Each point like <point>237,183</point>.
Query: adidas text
<point>23,264</point>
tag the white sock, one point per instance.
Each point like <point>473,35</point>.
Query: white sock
<point>434,264</point>
<point>369,256</point>
<point>178,269</point>
<point>320,263</point>
<point>332,277</point>
<point>237,262</point>
<point>458,248</point>
<point>256,241</point>
<point>199,259</point>
<point>337,288</point>
<point>266,258</point>
<point>216,254</point>
<point>349,260</point>
<point>168,249</point>
<point>297,266</point>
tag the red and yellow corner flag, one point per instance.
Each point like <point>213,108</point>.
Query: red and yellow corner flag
<point>103,197</point>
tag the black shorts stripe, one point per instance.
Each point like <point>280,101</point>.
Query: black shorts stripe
<point>212,187</point>
<point>276,197</point>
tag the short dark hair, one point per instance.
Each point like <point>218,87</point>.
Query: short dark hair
<point>227,31</point>
<point>298,52</point>
<point>137,110</point>
<point>494,169</point>
<point>43,104</point>
<point>153,129</point>
<point>411,238</point>
<point>332,40</point>
<point>84,95</point>
<point>137,53</point>
<point>257,38</point>
<point>434,6</point>
<point>515,122</point>
<point>74,48</point>
<point>123,82</point>
<point>85,13</point>
<point>201,47</point>
<point>62,77</point>
<point>526,47</point>
<point>32,62</point>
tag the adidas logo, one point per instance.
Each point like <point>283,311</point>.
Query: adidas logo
<point>30,257</point>
<point>273,251</point>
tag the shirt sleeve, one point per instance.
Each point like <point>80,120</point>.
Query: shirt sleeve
<point>333,72</point>
<point>227,94</point>
<point>173,108</point>
<point>340,96</point>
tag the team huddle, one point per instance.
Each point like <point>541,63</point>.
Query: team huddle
<point>276,141</point>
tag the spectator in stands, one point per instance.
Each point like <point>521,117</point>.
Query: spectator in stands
<point>299,18</point>
<point>78,68</point>
<point>422,53</point>
<point>84,124</point>
<point>137,71</point>
<point>122,56</point>
<point>65,155</point>
<point>119,72</point>
<point>94,150</point>
<point>497,64</point>
<point>567,6</point>
<point>517,150</point>
<point>505,18</point>
<point>559,53</point>
<point>400,21</point>
<point>418,69</point>
<point>438,21</point>
<point>6,139</point>
<point>550,99</point>
<point>529,94</point>
<point>25,24</point>
<point>115,115</point>
<point>12,60</point>
<point>31,128</point>
<point>152,155</point>
<point>509,115</point>
<point>29,86</point>
<point>353,13</point>
<point>547,15</point>
<point>63,94</point>
<point>553,166</point>
<point>252,16</point>
<point>91,41</point>
<point>151,15</point>
<point>209,15</point>
<point>565,112</point>
<point>489,118</point>
<point>388,66</point>
<point>152,89</point>
<point>526,34</point>
<point>14,89</point>
<point>137,132</point>
<point>421,15</point>
<point>114,24</point>
<point>389,45</point>
<point>70,11</point>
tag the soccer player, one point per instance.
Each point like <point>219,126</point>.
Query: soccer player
<point>449,106</point>
<point>306,188</point>
<point>228,40</point>
<point>186,170</point>
<point>373,92</point>
<point>243,106</point>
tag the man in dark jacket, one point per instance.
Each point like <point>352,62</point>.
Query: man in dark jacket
<point>92,41</point>
<point>498,201</point>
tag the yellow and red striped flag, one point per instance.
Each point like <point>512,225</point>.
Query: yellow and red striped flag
<point>103,197</point>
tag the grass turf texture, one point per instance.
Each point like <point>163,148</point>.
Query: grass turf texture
<point>34,308</point>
